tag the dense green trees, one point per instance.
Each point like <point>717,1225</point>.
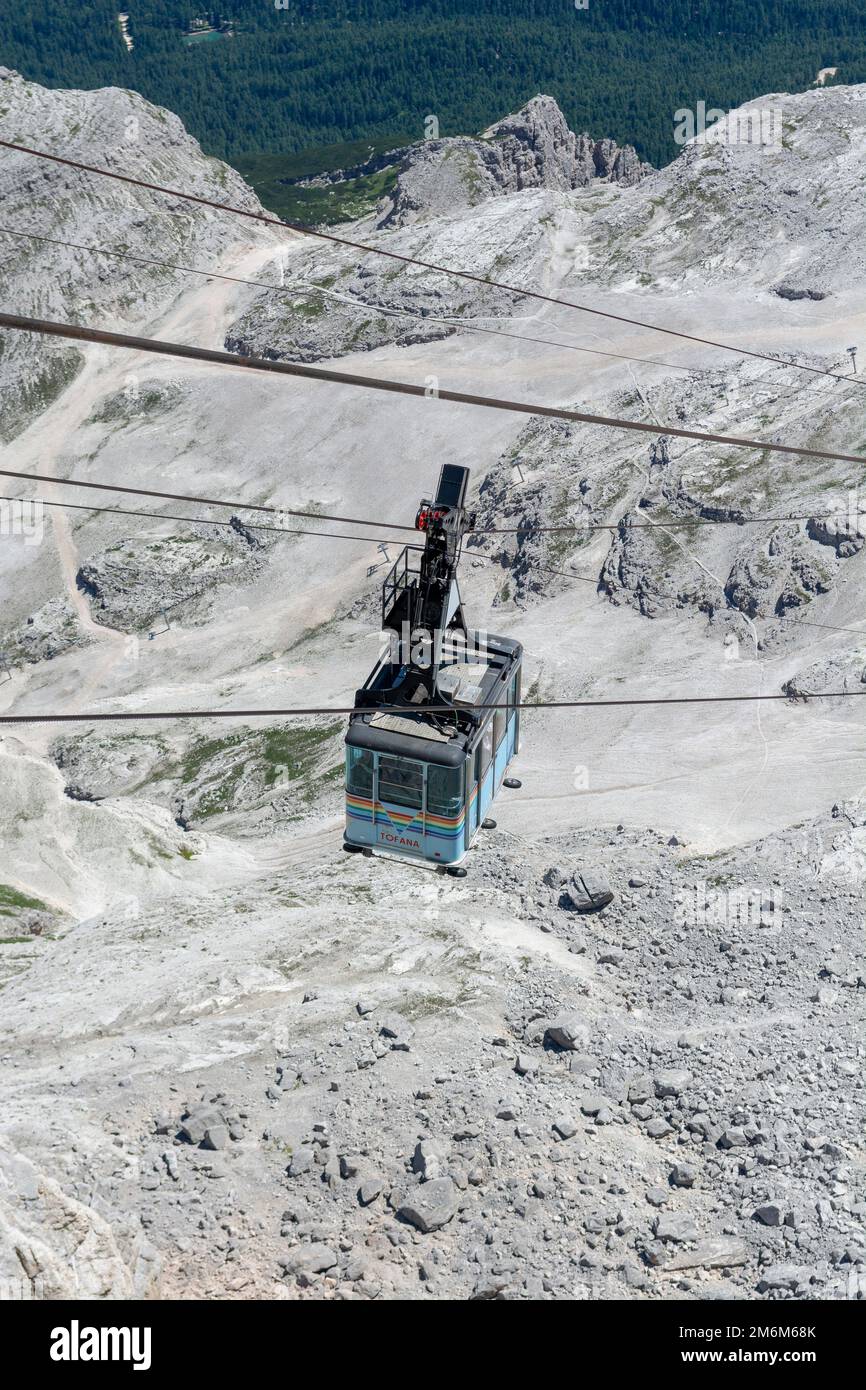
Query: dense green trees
<point>316,72</point>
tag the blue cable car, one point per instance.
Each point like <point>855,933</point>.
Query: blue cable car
<point>437,723</point>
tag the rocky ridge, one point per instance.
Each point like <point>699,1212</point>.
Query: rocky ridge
<point>652,558</point>
<point>136,581</point>
<point>338,305</point>
<point>117,130</point>
<point>533,148</point>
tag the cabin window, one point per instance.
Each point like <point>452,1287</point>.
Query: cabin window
<point>359,771</point>
<point>499,721</point>
<point>444,790</point>
<point>401,781</point>
<point>514,692</point>
<point>484,753</point>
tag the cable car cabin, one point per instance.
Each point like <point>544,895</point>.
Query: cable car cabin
<point>419,783</point>
<point>435,727</point>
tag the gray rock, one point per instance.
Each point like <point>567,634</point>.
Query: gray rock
<point>720,1252</point>
<point>351,1165</point>
<point>700,1124</point>
<point>769,1215</point>
<point>658,1128</point>
<point>525,1065</point>
<point>18,1176</point>
<point>824,995</point>
<point>589,891</point>
<point>429,1159</point>
<point>489,1287</point>
<point>674,1226</point>
<point>612,956</point>
<point>430,1205</point>
<point>566,1129</point>
<point>683,1175</point>
<point>592,1103</point>
<point>301,1162</point>
<point>310,1259</point>
<point>51,630</point>
<point>129,587</point>
<point>331,1172</point>
<point>369,1190</point>
<point>197,1122</point>
<point>398,1030</point>
<point>216,1137</point>
<point>783,1277</point>
<point>641,1089</point>
<point>671,1083</point>
<point>732,1139</point>
<point>533,148</point>
<point>567,1031</point>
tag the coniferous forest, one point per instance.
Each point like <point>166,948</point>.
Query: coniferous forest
<point>282,76</point>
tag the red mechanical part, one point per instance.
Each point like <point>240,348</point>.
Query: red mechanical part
<point>426,515</point>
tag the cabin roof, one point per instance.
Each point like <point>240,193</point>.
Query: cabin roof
<point>410,727</point>
<point>414,733</point>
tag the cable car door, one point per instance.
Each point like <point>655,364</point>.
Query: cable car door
<point>472,766</point>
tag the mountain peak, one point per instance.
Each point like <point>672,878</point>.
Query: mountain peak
<point>531,148</point>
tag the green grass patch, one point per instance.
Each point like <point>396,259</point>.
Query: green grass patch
<point>40,391</point>
<point>283,757</point>
<point>126,405</point>
<point>10,897</point>
<point>274,178</point>
<point>295,750</point>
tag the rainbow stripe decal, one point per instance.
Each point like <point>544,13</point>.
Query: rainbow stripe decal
<point>406,822</point>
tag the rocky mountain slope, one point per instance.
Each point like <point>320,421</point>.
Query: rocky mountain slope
<point>781,211</point>
<point>498,1100</point>
<point>340,306</point>
<point>237,1063</point>
<point>534,148</point>
<point>785,216</point>
<point>115,130</point>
